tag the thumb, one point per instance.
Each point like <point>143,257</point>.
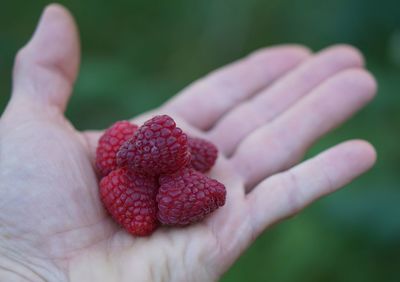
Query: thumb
<point>46,68</point>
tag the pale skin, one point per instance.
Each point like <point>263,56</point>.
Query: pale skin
<point>263,112</point>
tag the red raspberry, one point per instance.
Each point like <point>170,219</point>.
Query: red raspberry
<point>187,197</point>
<point>130,199</point>
<point>204,154</point>
<point>158,147</point>
<point>109,144</point>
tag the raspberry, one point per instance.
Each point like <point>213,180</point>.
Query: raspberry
<point>130,199</point>
<point>109,144</point>
<point>204,154</point>
<point>187,197</point>
<point>158,147</point>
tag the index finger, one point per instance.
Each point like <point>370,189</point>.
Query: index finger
<point>206,100</point>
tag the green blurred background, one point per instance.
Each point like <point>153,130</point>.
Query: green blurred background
<point>137,54</point>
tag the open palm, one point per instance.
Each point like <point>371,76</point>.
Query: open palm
<point>263,112</point>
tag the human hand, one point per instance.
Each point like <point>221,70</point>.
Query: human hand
<point>263,112</point>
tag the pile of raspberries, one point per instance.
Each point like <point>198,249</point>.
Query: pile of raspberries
<point>153,175</point>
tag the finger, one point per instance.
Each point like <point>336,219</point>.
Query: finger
<point>285,194</point>
<point>283,142</point>
<point>202,103</point>
<point>285,92</point>
<point>46,68</point>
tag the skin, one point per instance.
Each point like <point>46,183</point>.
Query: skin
<point>52,224</point>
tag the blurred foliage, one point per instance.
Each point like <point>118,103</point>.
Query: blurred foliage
<point>137,54</point>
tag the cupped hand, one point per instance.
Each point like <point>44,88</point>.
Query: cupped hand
<point>263,111</point>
